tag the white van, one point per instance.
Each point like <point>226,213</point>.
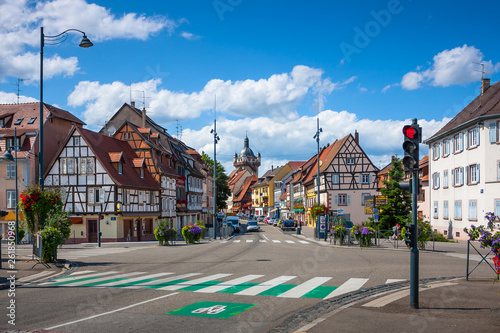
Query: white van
<point>235,221</point>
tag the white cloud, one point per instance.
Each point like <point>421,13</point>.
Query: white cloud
<point>276,97</point>
<point>389,86</point>
<point>11,98</point>
<point>19,31</point>
<point>450,67</point>
<point>279,142</point>
<point>189,35</point>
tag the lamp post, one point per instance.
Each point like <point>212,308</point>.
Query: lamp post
<point>316,136</point>
<point>216,139</point>
<point>51,40</point>
<point>7,156</point>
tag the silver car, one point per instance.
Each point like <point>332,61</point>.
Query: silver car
<point>252,226</point>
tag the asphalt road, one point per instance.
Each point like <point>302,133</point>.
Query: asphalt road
<point>268,256</point>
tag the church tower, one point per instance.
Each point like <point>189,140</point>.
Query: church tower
<point>247,159</point>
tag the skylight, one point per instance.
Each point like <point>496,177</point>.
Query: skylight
<point>18,122</point>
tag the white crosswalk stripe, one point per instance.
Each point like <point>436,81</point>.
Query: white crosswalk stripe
<point>140,278</point>
<point>305,287</point>
<point>39,276</point>
<point>156,282</point>
<point>105,278</point>
<point>290,242</point>
<point>394,280</point>
<point>230,283</point>
<point>303,242</point>
<point>249,240</point>
<point>276,241</point>
<point>252,291</point>
<point>194,282</point>
<point>71,277</point>
<point>93,252</point>
<point>262,241</point>
<point>351,285</point>
<point>237,241</point>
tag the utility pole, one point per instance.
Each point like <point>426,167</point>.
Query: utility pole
<point>216,139</point>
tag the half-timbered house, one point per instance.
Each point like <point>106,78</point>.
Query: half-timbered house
<point>101,175</point>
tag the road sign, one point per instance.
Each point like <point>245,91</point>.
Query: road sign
<point>368,210</point>
<point>381,200</point>
<point>340,212</point>
<point>369,202</point>
<point>212,309</point>
<point>375,217</point>
<point>375,210</point>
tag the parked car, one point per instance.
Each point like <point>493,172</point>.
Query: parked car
<point>252,225</point>
<point>288,225</point>
<point>267,219</point>
<point>274,222</point>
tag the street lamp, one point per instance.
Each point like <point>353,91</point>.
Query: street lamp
<point>7,156</point>
<point>216,139</point>
<point>51,40</point>
<point>316,136</point>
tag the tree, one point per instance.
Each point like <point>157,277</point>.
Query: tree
<point>223,191</point>
<point>398,208</point>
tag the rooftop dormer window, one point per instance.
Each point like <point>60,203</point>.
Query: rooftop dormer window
<point>120,168</point>
<point>32,120</point>
<point>19,121</point>
<point>2,124</point>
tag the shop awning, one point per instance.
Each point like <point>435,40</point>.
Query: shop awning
<point>76,220</point>
<point>275,209</point>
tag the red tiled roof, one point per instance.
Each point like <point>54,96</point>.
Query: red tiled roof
<point>115,157</point>
<point>138,162</point>
<point>144,130</point>
<point>101,145</point>
<point>246,185</point>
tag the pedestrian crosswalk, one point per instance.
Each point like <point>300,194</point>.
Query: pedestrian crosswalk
<point>273,241</point>
<point>246,285</point>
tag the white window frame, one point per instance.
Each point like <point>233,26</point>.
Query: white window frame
<point>336,176</point>
<point>86,165</point>
<point>11,199</point>
<point>365,178</point>
<point>126,197</point>
<point>11,171</point>
<point>493,132</point>
<point>96,193</point>
<point>350,161</point>
<point>497,207</point>
<point>68,165</point>
<point>445,178</point>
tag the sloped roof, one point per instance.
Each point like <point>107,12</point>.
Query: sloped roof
<point>115,157</point>
<point>482,107</point>
<point>244,189</point>
<point>101,145</point>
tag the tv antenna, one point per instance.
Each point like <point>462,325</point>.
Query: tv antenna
<point>18,90</point>
<point>179,130</point>
<point>143,97</point>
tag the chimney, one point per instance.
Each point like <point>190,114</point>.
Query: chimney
<point>132,103</point>
<point>356,136</point>
<point>143,117</point>
<point>485,84</point>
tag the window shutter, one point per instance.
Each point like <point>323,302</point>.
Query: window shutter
<point>360,179</point>
<point>461,175</point>
<point>477,135</point>
<point>101,195</point>
<point>336,199</point>
<point>91,196</point>
<point>452,177</point>
<point>438,180</point>
<point>493,132</point>
<point>348,199</point>
<point>370,178</point>
<point>466,141</point>
<point>432,181</point>
<point>466,175</point>
<point>477,172</point>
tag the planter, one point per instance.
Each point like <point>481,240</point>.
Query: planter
<point>496,261</point>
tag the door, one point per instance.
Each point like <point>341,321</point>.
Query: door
<point>92,225</point>
<point>128,230</point>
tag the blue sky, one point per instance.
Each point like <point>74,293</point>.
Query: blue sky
<point>373,65</point>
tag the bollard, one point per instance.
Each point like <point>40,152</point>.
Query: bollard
<point>299,230</point>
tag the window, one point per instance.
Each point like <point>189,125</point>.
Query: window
<point>120,168</point>
<point>435,180</point>
<point>152,198</point>
<point>19,121</point>
<point>126,197</point>
<point>87,165</point>
<point>350,161</point>
<point>11,171</point>
<point>127,136</point>
<point>458,209</point>
<point>2,124</point>
<point>473,137</point>
<point>458,176</point>
<point>95,196</point>
<point>342,199</point>
<point>435,151</point>
<point>446,147</point>
<point>497,207</point>
<point>445,209</point>
<point>141,197</point>
<point>472,210</point>
<point>336,176</point>
<point>459,143</point>
<point>142,172</point>
<point>68,166</point>
<point>445,179</point>
<point>473,174</point>
<point>77,141</point>
<point>498,171</point>
<point>11,199</point>
<point>493,132</point>
<point>364,178</point>
<point>435,209</point>
<point>32,120</point>
<point>12,145</point>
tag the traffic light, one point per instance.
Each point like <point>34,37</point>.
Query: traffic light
<point>410,236</point>
<point>101,217</point>
<point>413,137</point>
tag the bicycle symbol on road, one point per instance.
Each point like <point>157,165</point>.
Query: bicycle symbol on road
<point>216,309</point>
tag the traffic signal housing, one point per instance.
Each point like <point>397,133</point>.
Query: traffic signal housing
<point>101,217</point>
<point>410,236</point>
<point>413,137</point>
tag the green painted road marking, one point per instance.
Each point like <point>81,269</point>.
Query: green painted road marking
<point>201,285</point>
<point>320,292</point>
<point>278,290</point>
<point>134,283</point>
<point>238,288</point>
<point>219,310</point>
<point>169,283</point>
<point>76,280</point>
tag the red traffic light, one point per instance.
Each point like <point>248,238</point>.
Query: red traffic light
<point>410,132</point>
<point>101,217</point>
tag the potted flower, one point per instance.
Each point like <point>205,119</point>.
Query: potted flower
<point>191,233</point>
<point>487,238</point>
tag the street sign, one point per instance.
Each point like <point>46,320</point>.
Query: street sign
<point>375,217</point>
<point>369,202</point>
<point>220,310</point>
<point>381,200</point>
<point>340,212</point>
<point>375,210</point>
<point>368,210</point>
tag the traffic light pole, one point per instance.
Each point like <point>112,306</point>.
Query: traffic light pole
<point>414,279</point>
